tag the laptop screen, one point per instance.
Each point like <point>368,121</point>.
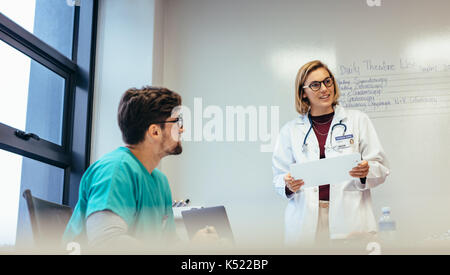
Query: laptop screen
<point>196,219</point>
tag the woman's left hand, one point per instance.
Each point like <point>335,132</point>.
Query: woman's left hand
<point>361,170</point>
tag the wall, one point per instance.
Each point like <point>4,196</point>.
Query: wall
<point>124,60</point>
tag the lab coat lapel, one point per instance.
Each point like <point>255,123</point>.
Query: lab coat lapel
<point>339,114</point>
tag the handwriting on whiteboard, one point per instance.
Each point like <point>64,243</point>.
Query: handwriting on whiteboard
<point>385,88</point>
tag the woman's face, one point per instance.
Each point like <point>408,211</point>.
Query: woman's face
<point>321,100</point>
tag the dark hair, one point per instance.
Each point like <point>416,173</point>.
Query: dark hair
<point>139,108</point>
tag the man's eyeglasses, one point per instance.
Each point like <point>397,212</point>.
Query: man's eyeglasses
<point>178,120</point>
<point>315,85</point>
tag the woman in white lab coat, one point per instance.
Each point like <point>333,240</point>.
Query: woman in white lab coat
<point>325,129</point>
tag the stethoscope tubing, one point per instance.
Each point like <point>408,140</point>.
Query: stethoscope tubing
<point>331,133</point>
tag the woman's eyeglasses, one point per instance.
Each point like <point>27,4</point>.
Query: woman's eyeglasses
<point>315,85</point>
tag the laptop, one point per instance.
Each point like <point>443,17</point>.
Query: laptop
<point>199,218</point>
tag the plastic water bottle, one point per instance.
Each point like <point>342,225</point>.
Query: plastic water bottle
<point>387,227</point>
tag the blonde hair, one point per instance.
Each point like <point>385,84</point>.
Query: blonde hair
<point>302,105</point>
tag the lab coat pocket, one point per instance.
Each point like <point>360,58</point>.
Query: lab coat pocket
<point>351,204</point>
<point>354,145</point>
<point>350,186</point>
<point>351,146</point>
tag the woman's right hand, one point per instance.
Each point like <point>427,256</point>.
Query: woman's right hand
<point>292,184</point>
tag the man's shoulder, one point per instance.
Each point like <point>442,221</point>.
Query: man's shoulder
<point>119,154</point>
<point>117,161</point>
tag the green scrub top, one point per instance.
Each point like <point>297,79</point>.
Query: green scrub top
<point>119,182</point>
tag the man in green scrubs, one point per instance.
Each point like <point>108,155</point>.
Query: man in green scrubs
<point>124,200</point>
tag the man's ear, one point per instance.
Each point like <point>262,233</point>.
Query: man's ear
<point>154,131</point>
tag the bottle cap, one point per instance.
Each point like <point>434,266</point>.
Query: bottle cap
<point>386,210</point>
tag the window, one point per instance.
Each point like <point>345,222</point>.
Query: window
<point>47,48</point>
<point>52,21</point>
<point>45,181</point>
<point>32,95</point>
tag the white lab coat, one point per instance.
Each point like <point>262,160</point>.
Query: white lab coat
<point>350,208</point>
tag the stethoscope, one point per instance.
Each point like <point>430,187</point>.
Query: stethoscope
<point>332,129</point>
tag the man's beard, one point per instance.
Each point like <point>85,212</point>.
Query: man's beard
<point>177,150</point>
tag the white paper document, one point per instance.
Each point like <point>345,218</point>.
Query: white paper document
<point>325,171</point>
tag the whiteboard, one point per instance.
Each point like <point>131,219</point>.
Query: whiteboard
<point>391,61</point>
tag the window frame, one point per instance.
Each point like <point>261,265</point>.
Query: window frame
<point>73,155</point>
